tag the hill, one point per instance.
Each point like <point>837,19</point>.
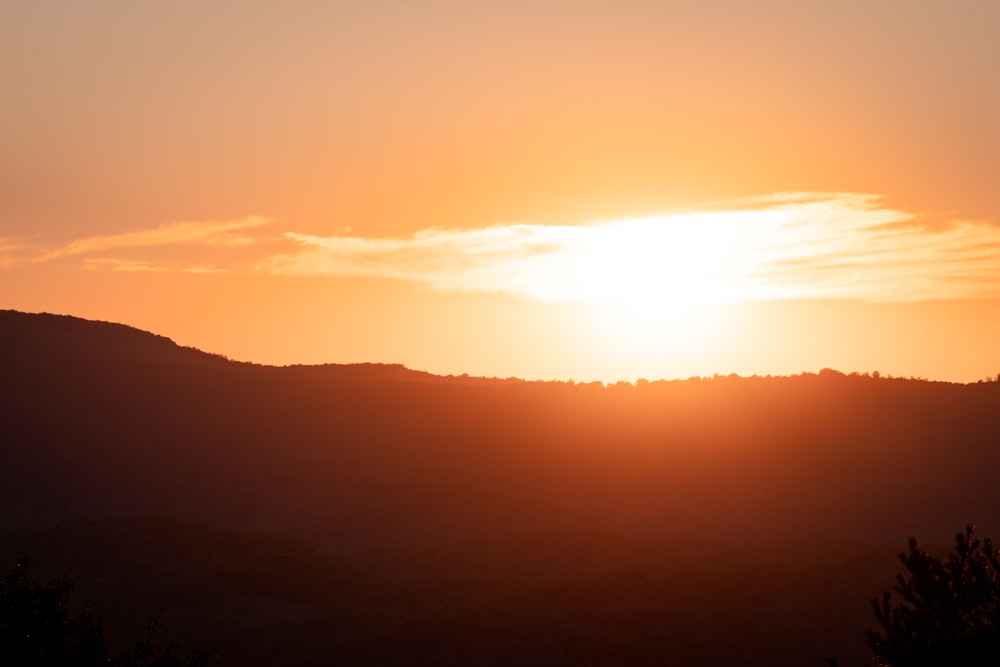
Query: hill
<point>525,500</point>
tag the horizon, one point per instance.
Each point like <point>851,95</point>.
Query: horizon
<point>592,192</point>
<point>853,373</point>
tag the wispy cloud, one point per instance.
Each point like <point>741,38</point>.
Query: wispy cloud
<point>138,266</point>
<point>500,258</point>
<point>166,248</point>
<point>205,232</point>
<point>784,246</point>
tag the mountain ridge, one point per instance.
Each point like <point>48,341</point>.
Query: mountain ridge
<point>93,426</point>
<point>31,331</point>
<point>43,332</point>
<point>547,523</point>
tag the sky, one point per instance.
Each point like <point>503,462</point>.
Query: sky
<point>557,190</point>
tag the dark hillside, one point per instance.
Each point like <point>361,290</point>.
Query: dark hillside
<point>263,600</point>
<point>102,419</point>
<point>32,338</point>
<point>502,505</point>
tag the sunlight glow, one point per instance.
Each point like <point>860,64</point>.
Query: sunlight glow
<point>660,267</point>
<point>663,266</point>
<point>656,268</point>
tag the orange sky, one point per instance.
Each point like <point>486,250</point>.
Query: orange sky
<point>547,189</point>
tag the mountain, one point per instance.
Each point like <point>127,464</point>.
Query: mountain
<point>528,503</point>
<point>29,339</point>
<point>100,419</point>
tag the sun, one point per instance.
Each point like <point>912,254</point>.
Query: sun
<point>659,270</point>
<point>662,268</point>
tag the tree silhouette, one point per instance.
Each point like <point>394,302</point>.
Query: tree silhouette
<point>950,610</point>
<point>150,653</point>
<point>38,629</point>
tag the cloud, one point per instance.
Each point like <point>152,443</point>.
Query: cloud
<point>136,266</point>
<point>145,249</point>
<point>205,232</point>
<point>783,246</point>
<point>494,258</point>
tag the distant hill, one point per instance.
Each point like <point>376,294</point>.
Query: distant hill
<point>486,501</point>
<point>31,339</point>
<point>101,419</point>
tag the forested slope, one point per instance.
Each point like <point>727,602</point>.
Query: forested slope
<point>540,522</point>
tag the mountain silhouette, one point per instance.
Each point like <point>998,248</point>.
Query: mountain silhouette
<point>101,419</point>
<point>515,485</point>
